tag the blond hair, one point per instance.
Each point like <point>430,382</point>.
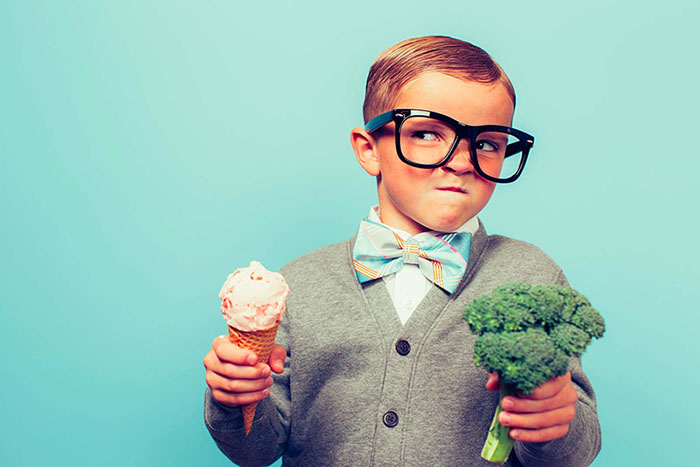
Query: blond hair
<point>401,63</point>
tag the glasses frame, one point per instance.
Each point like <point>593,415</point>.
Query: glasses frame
<point>462,131</point>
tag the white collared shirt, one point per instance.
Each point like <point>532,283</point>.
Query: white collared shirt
<point>408,285</point>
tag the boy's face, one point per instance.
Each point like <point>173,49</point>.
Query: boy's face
<point>415,199</point>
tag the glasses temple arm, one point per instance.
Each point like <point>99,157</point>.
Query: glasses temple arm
<point>514,148</point>
<point>378,121</point>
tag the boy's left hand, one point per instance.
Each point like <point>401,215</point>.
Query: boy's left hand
<point>541,416</point>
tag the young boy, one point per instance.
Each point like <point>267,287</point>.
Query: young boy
<point>374,363</point>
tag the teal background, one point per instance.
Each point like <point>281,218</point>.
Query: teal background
<point>147,149</point>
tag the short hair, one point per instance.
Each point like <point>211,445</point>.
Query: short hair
<point>403,62</point>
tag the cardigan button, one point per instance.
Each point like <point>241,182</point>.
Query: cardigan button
<point>391,419</point>
<point>403,347</point>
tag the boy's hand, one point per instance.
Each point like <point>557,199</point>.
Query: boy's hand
<point>234,374</point>
<point>543,415</point>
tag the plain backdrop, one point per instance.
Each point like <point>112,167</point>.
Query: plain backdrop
<point>147,149</point>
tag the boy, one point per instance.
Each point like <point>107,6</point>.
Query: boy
<point>374,363</point>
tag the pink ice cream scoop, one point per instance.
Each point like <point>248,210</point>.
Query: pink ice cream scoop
<point>253,298</point>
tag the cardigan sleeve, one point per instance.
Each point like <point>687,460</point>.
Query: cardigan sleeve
<point>268,436</point>
<point>582,443</point>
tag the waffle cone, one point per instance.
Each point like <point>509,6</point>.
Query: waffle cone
<point>260,342</point>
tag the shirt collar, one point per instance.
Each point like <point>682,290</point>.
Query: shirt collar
<point>470,226</point>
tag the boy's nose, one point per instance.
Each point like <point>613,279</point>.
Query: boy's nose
<point>461,161</point>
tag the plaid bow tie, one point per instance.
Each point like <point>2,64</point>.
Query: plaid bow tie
<point>442,258</point>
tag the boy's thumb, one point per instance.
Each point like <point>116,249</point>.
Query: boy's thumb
<point>277,357</point>
<point>492,383</point>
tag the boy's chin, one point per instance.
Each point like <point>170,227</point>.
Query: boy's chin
<point>445,225</point>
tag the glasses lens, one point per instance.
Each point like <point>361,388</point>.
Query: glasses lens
<point>425,140</point>
<point>499,154</point>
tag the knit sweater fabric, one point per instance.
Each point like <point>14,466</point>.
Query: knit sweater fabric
<point>348,394</point>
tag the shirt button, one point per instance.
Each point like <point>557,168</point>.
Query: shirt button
<point>391,419</point>
<point>408,303</point>
<point>403,347</point>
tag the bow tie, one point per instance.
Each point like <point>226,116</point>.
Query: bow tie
<point>442,258</point>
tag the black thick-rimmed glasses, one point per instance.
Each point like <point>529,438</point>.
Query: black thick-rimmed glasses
<point>428,140</point>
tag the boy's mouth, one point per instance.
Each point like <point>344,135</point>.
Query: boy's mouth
<point>456,189</point>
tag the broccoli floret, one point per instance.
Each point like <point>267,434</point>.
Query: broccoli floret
<point>527,334</point>
<point>589,320</point>
<point>548,305</point>
<point>570,339</point>
<point>522,357</point>
<point>481,315</point>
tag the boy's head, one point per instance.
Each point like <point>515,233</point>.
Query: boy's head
<point>401,63</point>
<point>463,89</point>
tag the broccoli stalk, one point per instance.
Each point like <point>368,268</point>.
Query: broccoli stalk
<point>527,334</point>
<point>498,442</point>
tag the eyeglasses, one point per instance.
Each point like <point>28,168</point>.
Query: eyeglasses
<point>428,140</point>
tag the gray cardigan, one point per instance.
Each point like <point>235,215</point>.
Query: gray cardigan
<point>348,395</point>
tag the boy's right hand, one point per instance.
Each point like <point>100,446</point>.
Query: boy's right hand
<point>234,374</point>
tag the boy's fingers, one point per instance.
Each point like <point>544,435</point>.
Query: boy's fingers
<point>220,383</point>
<point>277,357</point>
<point>538,421</point>
<point>492,383</point>
<point>566,397</point>
<point>549,388</point>
<point>539,436</point>
<point>228,352</point>
<point>228,370</point>
<point>235,400</point>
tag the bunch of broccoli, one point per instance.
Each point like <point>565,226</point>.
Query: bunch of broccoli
<point>527,334</point>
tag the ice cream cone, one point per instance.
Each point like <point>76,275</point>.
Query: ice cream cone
<point>260,342</point>
<point>252,303</point>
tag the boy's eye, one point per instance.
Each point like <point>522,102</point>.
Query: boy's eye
<point>493,142</point>
<point>426,135</point>
<point>485,145</point>
<point>426,131</point>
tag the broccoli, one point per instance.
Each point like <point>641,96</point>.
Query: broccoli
<point>527,334</point>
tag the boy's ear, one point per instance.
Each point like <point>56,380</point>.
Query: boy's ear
<point>365,150</point>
